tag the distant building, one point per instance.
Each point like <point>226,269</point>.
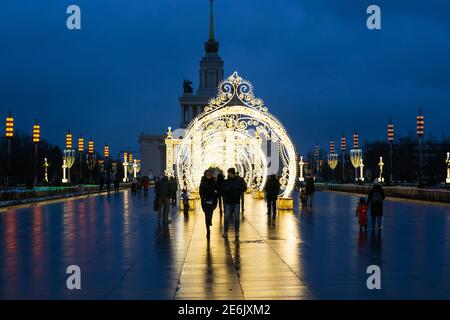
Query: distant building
<point>153,149</point>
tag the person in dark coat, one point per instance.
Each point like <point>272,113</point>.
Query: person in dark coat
<point>220,180</point>
<point>116,185</point>
<point>208,198</point>
<point>309,189</point>
<point>376,201</point>
<point>272,190</point>
<point>233,187</point>
<point>163,195</point>
<point>173,190</point>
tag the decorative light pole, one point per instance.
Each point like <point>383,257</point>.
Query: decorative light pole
<point>80,155</point>
<point>36,140</point>
<point>136,167</point>
<point>420,130</point>
<point>356,155</point>
<point>130,164</point>
<point>9,134</point>
<point>46,165</point>
<point>332,158</point>
<point>391,137</point>
<point>448,168</point>
<point>302,166</point>
<point>343,151</point>
<point>106,156</point>
<point>91,158</point>
<point>361,168</point>
<point>125,167</point>
<point>381,165</point>
<point>68,158</point>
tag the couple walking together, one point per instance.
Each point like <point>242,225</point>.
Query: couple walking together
<point>230,190</point>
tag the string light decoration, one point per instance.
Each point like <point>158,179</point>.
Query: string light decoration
<point>228,133</point>
<point>343,151</point>
<point>391,137</point>
<point>106,151</point>
<point>420,131</point>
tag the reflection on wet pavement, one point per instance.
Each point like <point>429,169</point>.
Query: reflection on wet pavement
<point>308,253</point>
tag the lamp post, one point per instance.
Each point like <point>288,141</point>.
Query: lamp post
<point>361,168</point>
<point>317,159</point>
<point>302,166</point>
<point>448,168</point>
<point>68,158</point>
<point>343,151</point>
<point>36,139</point>
<point>420,130</point>
<point>136,167</point>
<point>125,167</point>
<point>391,141</point>
<point>356,155</point>
<point>381,165</point>
<point>80,157</point>
<point>332,158</point>
<point>9,134</point>
<point>91,158</point>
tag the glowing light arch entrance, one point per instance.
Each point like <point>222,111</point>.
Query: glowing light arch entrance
<point>230,133</point>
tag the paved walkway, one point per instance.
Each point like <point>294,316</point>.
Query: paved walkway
<point>314,253</point>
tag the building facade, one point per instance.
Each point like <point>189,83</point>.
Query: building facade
<point>211,73</point>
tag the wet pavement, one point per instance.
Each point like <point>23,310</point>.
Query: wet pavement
<point>312,253</point>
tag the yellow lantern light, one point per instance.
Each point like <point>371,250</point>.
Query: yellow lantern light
<point>91,146</point>
<point>130,158</point>
<point>106,151</point>
<point>36,132</point>
<point>68,141</point>
<point>9,127</point>
<point>80,145</point>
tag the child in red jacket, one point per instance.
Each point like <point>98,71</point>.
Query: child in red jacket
<point>361,214</point>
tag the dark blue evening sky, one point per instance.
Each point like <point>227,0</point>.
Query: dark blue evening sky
<point>314,62</point>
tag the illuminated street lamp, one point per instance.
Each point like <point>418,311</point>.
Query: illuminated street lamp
<point>356,155</point>
<point>130,163</point>
<point>302,166</point>
<point>448,168</point>
<point>420,130</point>
<point>91,158</point>
<point>36,140</point>
<point>68,158</point>
<point>136,167</point>
<point>361,168</point>
<point>332,157</point>
<point>317,158</point>
<point>9,134</point>
<point>106,151</point>
<point>80,155</point>
<point>343,151</point>
<point>125,167</point>
<point>381,165</point>
<point>391,137</point>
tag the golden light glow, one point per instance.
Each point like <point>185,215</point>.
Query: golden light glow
<point>106,151</point>
<point>9,127</point>
<point>36,133</point>
<point>68,141</point>
<point>130,158</point>
<point>125,157</point>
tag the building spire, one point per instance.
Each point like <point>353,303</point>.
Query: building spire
<point>211,21</point>
<point>211,46</point>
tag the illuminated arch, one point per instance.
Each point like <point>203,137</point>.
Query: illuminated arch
<point>229,133</point>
